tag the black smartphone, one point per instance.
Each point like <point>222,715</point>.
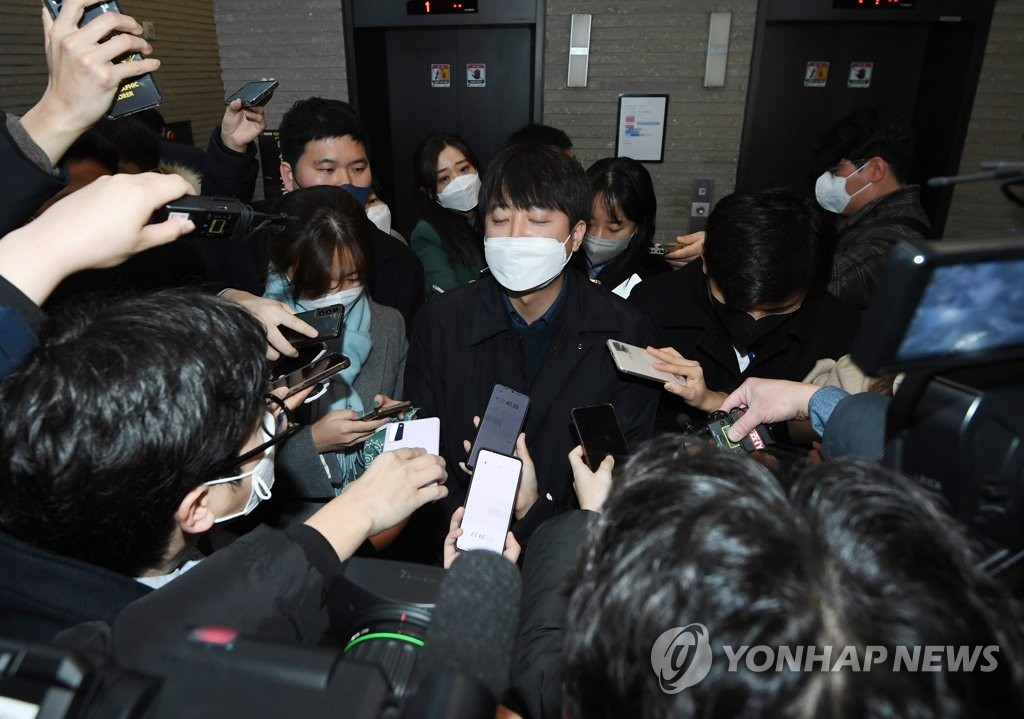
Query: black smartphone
<point>382,412</point>
<point>135,93</point>
<point>325,320</point>
<point>600,434</point>
<point>501,424</point>
<point>253,94</point>
<point>321,368</point>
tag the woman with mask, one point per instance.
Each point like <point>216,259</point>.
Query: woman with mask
<point>621,227</point>
<point>380,214</point>
<point>318,259</point>
<point>446,239</point>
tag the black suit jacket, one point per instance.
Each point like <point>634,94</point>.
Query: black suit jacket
<point>678,304</point>
<point>462,346</point>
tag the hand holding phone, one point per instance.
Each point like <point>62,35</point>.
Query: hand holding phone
<point>327,321</point>
<point>136,89</point>
<point>638,362</point>
<point>491,500</point>
<point>502,422</point>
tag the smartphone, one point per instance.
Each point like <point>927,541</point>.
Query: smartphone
<point>600,434</point>
<point>135,93</point>
<point>253,94</point>
<point>660,249</point>
<point>638,362</point>
<point>491,500</point>
<point>501,424</point>
<point>425,433</point>
<point>390,411</point>
<point>324,366</point>
<point>325,320</point>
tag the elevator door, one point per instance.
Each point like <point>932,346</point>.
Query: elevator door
<point>482,109</point>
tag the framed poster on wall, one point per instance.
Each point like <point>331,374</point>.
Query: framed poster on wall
<point>641,130</point>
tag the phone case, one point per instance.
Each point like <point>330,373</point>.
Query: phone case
<point>424,433</point>
<point>135,93</point>
<point>635,361</point>
<point>327,321</point>
<point>254,94</point>
<point>490,502</point>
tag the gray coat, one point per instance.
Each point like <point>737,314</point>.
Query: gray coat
<point>301,483</point>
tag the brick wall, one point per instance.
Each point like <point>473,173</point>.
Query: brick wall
<point>184,38</point>
<point>996,130</point>
<point>655,46</point>
<point>300,43</point>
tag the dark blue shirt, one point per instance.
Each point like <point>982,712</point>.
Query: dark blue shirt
<point>537,334</point>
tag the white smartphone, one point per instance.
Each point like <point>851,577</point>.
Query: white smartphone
<point>425,433</point>
<point>637,361</point>
<point>491,500</point>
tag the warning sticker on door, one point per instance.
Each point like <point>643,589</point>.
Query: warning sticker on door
<point>441,75</point>
<point>476,74</point>
<point>860,74</point>
<point>816,74</point>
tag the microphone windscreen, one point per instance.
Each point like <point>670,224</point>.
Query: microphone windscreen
<point>475,621</point>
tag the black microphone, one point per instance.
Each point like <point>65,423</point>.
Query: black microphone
<point>467,655</point>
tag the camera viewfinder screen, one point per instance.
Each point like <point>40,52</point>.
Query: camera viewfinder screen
<point>967,309</point>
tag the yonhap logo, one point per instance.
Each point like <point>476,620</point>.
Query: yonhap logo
<point>681,657</point>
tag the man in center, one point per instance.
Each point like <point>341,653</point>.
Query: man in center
<point>531,324</point>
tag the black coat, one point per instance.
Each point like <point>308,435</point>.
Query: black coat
<point>678,304</point>
<point>462,346</point>
<point>42,593</point>
<point>24,185</point>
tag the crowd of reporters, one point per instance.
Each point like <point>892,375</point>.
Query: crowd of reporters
<point>138,420</point>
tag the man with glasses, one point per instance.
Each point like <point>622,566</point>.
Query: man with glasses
<point>868,157</point>
<point>136,426</point>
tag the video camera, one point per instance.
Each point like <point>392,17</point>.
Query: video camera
<point>217,217</point>
<point>951,314</point>
<point>418,642</point>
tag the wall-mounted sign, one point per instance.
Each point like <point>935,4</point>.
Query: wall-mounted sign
<point>860,74</point>
<point>641,132</point>
<point>476,74</point>
<point>816,74</point>
<point>441,75</point>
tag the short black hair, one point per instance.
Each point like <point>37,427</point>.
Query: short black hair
<point>317,118</point>
<point>324,220</point>
<point>136,142</point>
<point>525,176</point>
<point>538,134</point>
<point>126,406</point>
<point>625,188</point>
<point>462,242</point>
<point>866,133</point>
<point>93,145</point>
<point>765,247</point>
<point>851,555</point>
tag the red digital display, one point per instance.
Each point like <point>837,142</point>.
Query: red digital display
<point>433,7</point>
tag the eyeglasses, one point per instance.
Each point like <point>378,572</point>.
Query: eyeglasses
<point>284,425</point>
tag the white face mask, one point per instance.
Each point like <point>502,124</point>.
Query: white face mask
<point>345,297</point>
<point>522,264</point>
<point>831,193</point>
<point>461,194</point>
<point>380,215</point>
<point>262,478</point>
<point>600,250</point>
